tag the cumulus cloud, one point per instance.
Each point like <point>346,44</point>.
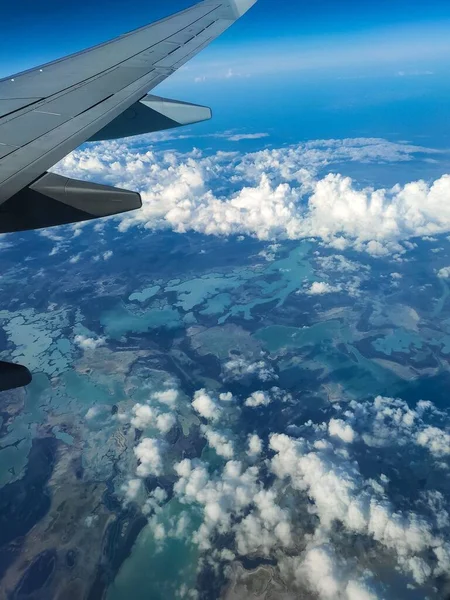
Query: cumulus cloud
<point>206,406</point>
<point>270,252</point>
<point>275,193</point>
<point>341,264</point>
<point>265,527</point>
<point>348,275</point>
<point>233,501</point>
<point>342,430</point>
<point>145,416</point>
<point>327,479</point>
<point>319,569</point>
<point>389,420</point>
<point>436,440</point>
<point>149,454</point>
<point>444,273</point>
<point>217,496</point>
<point>319,288</point>
<point>165,422</point>
<point>154,501</point>
<point>93,412</point>
<point>255,445</point>
<point>332,478</point>
<point>132,488</point>
<point>169,397</point>
<point>258,399</point>
<point>89,343</point>
<point>221,443</point>
<point>240,368</point>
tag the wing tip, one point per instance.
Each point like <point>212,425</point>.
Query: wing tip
<point>242,6</point>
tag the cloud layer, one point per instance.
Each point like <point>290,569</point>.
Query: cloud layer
<point>272,194</point>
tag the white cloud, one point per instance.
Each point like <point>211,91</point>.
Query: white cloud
<point>168,397</point>
<point>158,529</point>
<point>342,430</point>
<point>320,481</point>
<point>225,496</point>
<point>258,399</point>
<point>232,501</point>
<point>266,527</point>
<point>240,368</point>
<point>414,73</point>
<point>132,488</point>
<point>347,275</point>
<point>165,422</point>
<point>319,288</point>
<point>255,445</point>
<point>154,501</point>
<point>92,413</point>
<point>149,453</point>
<point>74,259</point>
<point>356,590</point>
<point>221,443</point>
<point>444,273</point>
<point>320,570</point>
<point>316,465</point>
<point>269,253</point>
<point>206,406</point>
<point>390,421</point>
<point>237,137</point>
<point>147,416</point>
<point>436,440</point>
<point>88,343</point>
<point>341,264</point>
<point>279,193</point>
<point>144,416</point>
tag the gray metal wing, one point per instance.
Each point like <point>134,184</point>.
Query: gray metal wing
<point>99,93</point>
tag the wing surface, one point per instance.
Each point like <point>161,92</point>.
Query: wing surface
<point>48,111</point>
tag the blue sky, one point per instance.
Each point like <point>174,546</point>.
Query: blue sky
<point>306,70</point>
<point>39,31</point>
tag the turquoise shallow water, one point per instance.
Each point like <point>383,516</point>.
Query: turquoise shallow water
<point>217,305</point>
<point>194,292</point>
<point>399,340</point>
<point>291,273</point>
<point>16,444</point>
<point>145,294</point>
<point>172,558</point>
<point>276,337</point>
<point>120,321</point>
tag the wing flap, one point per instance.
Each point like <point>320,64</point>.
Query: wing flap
<point>5,150</point>
<point>28,127</point>
<point>13,104</point>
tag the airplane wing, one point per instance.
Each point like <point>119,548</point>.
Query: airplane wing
<point>100,93</point>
